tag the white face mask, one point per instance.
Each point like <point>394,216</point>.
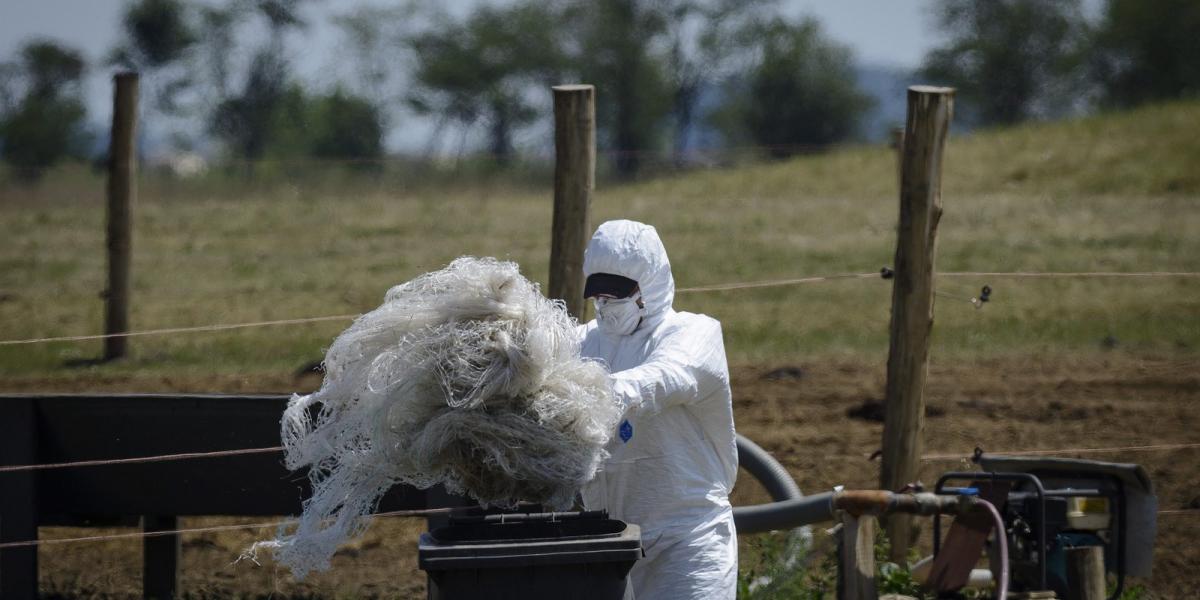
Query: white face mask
<point>618,316</point>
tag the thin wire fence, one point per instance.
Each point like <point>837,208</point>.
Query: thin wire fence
<point>1089,450</point>
<point>687,290</point>
<point>419,513</point>
<point>140,459</point>
<point>1186,514</point>
<point>274,449</point>
<point>177,330</point>
<point>1069,274</point>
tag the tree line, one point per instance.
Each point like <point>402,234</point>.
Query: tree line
<point>663,68</point>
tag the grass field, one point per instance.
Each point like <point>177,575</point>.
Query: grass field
<point>1112,193</point>
<point>1115,192</point>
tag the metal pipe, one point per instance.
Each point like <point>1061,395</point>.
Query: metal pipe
<point>821,507</point>
<point>879,502</point>
<point>792,509</point>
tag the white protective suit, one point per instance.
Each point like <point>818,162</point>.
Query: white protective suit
<point>674,459</point>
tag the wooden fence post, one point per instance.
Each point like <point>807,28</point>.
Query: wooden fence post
<point>574,181</point>
<point>856,560</point>
<point>1085,573</point>
<point>929,113</point>
<point>122,191</point>
<point>18,499</point>
<point>160,558</point>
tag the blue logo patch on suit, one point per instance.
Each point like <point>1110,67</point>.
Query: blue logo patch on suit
<point>626,431</point>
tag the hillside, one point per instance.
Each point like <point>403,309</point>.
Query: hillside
<point>1109,193</point>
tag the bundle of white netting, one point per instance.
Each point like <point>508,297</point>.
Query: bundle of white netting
<point>467,377</point>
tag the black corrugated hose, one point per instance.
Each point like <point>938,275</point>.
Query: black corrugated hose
<point>789,508</point>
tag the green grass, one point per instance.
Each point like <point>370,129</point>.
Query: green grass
<point>1117,192</point>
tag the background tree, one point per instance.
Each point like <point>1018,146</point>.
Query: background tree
<point>654,60</point>
<point>333,126</point>
<point>374,39</point>
<point>650,60</point>
<point>245,121</point>
<point>1010,59</point>
<point>620,48</point>
<point>156,37</point>
<point>491,67</point>
<point>800,92</point>
<point>704,48</point>
<point>217,37</point>
<point>346,126</point>
<point>42,122</point>
<point>1148,50</point>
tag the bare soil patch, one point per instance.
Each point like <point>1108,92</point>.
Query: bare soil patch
<point>999,405</point>
<point>799,412</point>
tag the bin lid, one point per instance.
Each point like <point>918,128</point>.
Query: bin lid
<point>528,528</point>
<point>531,543</point>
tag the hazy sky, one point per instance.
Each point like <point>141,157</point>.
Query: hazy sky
<point>888,32</point>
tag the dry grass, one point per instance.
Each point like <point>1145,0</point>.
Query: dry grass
<point>1109,194</point>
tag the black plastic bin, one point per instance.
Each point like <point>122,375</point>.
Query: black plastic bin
<point>580,556</point>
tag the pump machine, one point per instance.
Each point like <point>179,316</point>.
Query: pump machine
<point>1049,505</point>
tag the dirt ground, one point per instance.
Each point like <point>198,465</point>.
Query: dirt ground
<point>1000,405</point>
<point>799,412</point>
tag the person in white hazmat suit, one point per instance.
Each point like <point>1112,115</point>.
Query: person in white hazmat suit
<point>673,459</point>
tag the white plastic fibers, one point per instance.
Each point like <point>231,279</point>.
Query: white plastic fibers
<point>468,377</point>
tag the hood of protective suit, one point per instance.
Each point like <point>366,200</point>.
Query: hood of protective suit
<point>634,250</point>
